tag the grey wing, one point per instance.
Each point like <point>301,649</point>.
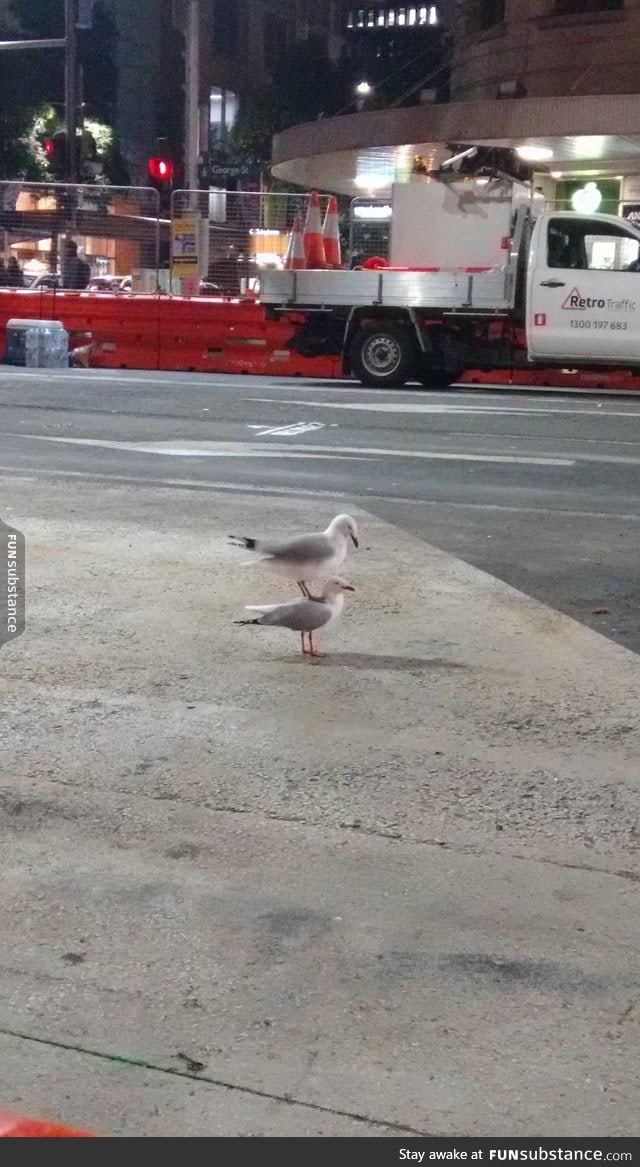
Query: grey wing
<point>299,616</point>
<point>302,549</point>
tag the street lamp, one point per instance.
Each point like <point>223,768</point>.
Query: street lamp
<point>362,90</point>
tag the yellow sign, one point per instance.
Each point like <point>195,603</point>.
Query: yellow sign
<point>185,235</point>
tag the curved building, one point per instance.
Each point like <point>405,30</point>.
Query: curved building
<point>558,80</point>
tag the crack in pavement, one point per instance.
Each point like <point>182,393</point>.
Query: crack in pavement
<point>626,1013</point>
<point>372,832</point>
<point>143,1064</point>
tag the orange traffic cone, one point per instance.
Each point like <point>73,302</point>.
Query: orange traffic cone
<point>313,237</point>
<point>331,233</point>
<point>294,260</point>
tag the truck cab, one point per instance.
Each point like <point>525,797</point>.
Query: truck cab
<point>583,290</point>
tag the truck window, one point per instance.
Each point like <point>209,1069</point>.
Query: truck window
<point>591,245</point>
<point>611,253</point>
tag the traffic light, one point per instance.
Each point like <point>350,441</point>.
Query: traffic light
<point>160,169</point>
<point>55,149</point>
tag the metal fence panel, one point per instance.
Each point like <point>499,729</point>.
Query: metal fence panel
<point>369,228</point>
<point>65,235</point>
<point>49,231</point>
<point>244,233</point>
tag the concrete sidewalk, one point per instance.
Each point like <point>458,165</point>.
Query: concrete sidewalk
<point>393,890</point>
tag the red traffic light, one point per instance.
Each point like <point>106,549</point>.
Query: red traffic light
<point>55,149</point>
<point>160,169</point>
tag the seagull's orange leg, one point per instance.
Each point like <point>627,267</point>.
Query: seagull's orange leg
<point>313,651</point>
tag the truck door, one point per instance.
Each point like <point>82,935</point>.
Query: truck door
<point>583,290</point>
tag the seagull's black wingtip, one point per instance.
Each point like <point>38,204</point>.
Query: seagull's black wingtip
<point>244,541</point>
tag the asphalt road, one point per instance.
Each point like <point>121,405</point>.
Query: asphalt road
<point>542,491</point>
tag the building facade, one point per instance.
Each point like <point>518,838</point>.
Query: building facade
<point>244,42</point>
<point>545,48</point>
<point>557,81</point>
<point>241,45</point>
<point>399,49</point>
<point>145,81</point>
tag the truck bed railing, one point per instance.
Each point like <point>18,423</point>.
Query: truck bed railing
<point>490,290</point>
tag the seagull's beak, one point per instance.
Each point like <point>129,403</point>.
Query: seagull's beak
<point>355,541</point>
<point>347,588</point>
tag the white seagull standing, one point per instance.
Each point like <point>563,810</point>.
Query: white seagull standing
<point>304,616</point>
<point>304,557</point>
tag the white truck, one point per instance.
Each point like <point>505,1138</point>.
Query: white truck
<point>479,277</point>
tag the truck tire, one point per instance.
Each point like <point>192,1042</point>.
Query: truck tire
<point>383,355</point>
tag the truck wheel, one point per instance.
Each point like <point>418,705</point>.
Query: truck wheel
<point>383,355</point>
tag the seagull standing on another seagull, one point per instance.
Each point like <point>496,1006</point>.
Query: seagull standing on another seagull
<point>304,616</point>
<point>304,557</point>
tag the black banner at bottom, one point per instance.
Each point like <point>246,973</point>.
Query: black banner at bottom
<point>387,1150</point>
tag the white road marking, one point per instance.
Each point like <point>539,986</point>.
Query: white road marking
<point>297,427</point>
<point>446,407</point>
<point>250,450</point>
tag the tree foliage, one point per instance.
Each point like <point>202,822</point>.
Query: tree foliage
<point>32,81</point>
<point>305,86</point>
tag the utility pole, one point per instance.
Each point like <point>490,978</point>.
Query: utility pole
<point>71,88</point>
<point>192,94</point>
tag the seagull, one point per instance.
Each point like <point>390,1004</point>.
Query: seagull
<point>304,616</point>
<point>304,557</point>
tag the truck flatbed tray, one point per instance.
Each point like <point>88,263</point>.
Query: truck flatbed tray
<point>444,290</point>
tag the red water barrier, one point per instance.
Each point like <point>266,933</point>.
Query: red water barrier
<point>201,335</point>
<point>210,335</point>
<point>232,336</point>
<point>124,329</point>
<point>15,1126</point>
<point>609,380</point>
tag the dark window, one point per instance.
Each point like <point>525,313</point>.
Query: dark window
<point>573,7</point>
<point>226,28</point>
<point>490,13</point>
<point>484,14</point>
<point>274,41</point>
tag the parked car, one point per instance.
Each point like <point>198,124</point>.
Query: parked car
<point>103,284</point>
<point>207,288</point>
<point>46,281</point>
<point>109,284</point>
